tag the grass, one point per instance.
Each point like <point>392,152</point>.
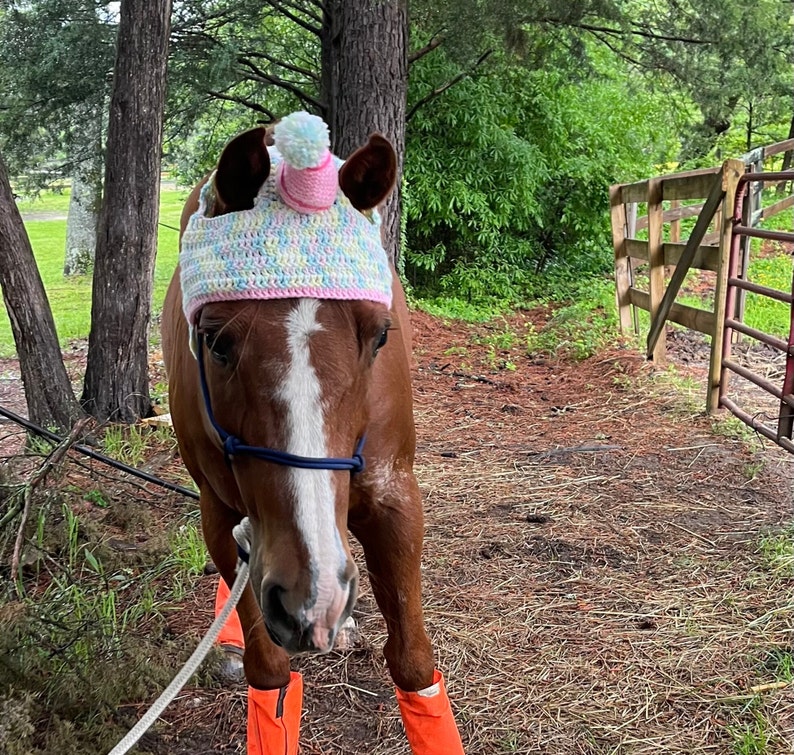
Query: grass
<point>188,554</point>
<point>88,634</point>
<point>752,738</point>
<point>764,313</point>
<point>70,298</point>
<point>580,327</point>
<point>777,551</point>
<point>130,444</point>
<point>780,662</point>
<point>451,308</point>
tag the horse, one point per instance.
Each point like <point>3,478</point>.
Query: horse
<point>315,376</point>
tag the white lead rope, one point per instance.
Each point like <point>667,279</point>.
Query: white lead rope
<point>242,534</point>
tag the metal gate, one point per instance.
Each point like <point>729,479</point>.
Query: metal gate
<point>778,428</point>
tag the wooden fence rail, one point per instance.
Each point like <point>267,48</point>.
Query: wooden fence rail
<point>668,261</point>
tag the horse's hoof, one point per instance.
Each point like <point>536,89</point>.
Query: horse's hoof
<point>348,635</point>
<point>231,669</point>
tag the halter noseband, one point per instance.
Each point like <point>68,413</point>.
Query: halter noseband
<point>233,446</point>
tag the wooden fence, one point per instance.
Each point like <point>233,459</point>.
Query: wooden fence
<point>666,259</point>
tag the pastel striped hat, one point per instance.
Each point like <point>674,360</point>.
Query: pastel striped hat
<point>301,239</point>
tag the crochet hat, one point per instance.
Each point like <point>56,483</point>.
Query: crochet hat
<point>307,179</point>
<point>302,238</point>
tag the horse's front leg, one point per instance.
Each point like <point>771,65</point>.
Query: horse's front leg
<point>275,696</point>
<point>389,524</point>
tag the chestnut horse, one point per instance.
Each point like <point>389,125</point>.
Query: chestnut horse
<point>313,378</point>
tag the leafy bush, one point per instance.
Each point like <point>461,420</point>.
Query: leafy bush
<point>508,174</point>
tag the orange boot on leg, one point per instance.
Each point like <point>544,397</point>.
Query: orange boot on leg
<point>428,720</point>
<point>274,718</point>
<point>231,638</point>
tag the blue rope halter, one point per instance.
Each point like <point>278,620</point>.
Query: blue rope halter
<point>233,446</point>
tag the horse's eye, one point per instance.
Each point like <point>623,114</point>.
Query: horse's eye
<point>384,336</point>
<point>219,348</point>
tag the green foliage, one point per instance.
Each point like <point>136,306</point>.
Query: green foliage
<point>86,634</point>
<point>224,56</point>
<point>507,177</point>
<point>724,68</point>
<point>582,326</point>
<point>456,309</point>
<point>56,57</point>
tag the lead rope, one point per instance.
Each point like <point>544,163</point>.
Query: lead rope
<point>242,534</point>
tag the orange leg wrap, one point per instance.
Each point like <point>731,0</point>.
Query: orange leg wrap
<point>428,720</point>
<point>274,718</point>
<point>232,632</point>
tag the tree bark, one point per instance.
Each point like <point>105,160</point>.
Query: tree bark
<point>48,392</point>
<point>85,201</point>
<point>117,376</point>
<point>366,86</point>
<point>788,158</point>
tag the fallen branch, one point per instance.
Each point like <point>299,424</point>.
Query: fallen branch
<point>29,487</point>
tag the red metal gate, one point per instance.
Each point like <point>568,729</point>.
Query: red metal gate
<point>780,427</point>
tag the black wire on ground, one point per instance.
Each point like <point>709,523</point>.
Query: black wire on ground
<point>86,451</point>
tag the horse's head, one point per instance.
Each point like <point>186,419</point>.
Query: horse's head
<point>288,309</point>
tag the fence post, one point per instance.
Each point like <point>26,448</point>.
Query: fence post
<point>752,204</point>
<point>656,262</point>
<point>622,272</point>
<point>731,172</point>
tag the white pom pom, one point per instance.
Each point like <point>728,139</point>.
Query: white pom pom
<point>302,139</point>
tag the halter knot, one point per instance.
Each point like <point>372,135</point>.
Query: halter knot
<point>230,445</point>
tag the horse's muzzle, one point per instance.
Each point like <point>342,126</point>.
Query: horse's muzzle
<point>305,631</point>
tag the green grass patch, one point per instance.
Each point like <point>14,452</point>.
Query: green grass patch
<point>751,738</point>
<point>453,308</point>
<point>761,312</point>
<point>130,444</point>
<point>70,298</point>
<point>777,551</point>
<point>48,201</point>
<point>581,326</point>
<point>780,661</point>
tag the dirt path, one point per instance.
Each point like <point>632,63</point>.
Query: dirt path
<point>592,576</point>
<point>593,580</point>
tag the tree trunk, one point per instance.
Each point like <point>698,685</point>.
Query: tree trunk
<point>366,87</point>
<point>787,158</point>
<point>48,392</point>
<point>85,201</point>
<point>117,375</point>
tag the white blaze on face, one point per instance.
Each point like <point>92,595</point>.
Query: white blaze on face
<point>313,489</point>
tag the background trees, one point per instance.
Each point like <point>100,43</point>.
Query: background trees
<point>56,61</point>
<point>513,119</point>
<point>117,373</point>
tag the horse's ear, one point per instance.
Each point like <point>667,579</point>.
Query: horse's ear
<point>243,168</point>
<point>368,175</point>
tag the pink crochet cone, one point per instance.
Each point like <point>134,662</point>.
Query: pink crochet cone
<point>309,189</point>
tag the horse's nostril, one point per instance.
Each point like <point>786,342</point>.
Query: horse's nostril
<point>274,608</point>
<point>277,616</point>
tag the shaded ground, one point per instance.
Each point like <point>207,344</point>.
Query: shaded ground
<point>593,581</point>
